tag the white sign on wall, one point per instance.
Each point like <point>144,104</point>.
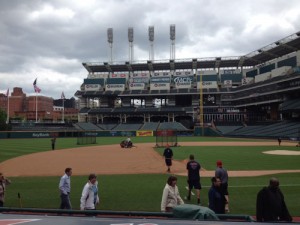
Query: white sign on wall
<point>115,87</point>
<point>227,83</point>
<point>159,86</point>
<point>136,86</point>
<point>183,82</point>
<point>207,84</point>
<point>92,87</point>
<point>247,80</point>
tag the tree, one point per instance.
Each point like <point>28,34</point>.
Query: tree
<point>3,116</point>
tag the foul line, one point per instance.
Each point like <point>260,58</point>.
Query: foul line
<point>256,185</point>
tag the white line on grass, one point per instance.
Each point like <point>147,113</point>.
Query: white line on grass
<point>255,185</point>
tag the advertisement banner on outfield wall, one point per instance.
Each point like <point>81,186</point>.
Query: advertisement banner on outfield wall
<point>136,86</point>
<point>144,133</point>
<point>115,87</point>
<point>160,86</point>
<point>92,87</point>
<point>208,84</point>
<point>183,82</point>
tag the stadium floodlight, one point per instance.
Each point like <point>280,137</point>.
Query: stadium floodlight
<point>151,39</point>
<point>172,32</point>
<point>130,39</point>
<point>151,33</point>
<point>172,37</point>
<point>110,38</point>
<point>110,35</point>
<point>130,34</point>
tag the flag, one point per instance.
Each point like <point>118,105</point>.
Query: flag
<point>7,93</point>
<point>63,95</point>
<point>36,88</point>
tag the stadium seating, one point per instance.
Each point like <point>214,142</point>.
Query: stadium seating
<point>128,127</point>
<point>171,126</point>
<point>284,129</point>
<point>227,129</point>
<point>150,126</point>
<point>108,126</point>
<point>88,126</point>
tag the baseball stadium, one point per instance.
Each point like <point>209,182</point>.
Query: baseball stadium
<point>234,109</point>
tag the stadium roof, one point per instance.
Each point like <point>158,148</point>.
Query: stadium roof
<point>277,49</point>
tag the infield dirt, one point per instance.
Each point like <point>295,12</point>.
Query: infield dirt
<point>111,159</point>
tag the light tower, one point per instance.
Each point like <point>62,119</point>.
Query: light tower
<point>110,38</point>
<point>151,39</point>
<point>172,38</point>
<point>130,39</point>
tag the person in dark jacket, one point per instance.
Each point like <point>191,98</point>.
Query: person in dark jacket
<point>216,197</point>
<point>270,204</point>
<point>168,154</point>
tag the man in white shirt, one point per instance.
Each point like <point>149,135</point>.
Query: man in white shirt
<point>65,189</point>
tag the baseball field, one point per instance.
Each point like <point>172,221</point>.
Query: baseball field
<point>133,179</point>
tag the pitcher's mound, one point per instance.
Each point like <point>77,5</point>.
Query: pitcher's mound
<point>282,152</point>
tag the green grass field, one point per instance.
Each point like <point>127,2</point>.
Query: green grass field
<point>143,192</point>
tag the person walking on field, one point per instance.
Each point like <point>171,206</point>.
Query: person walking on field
<point>53,140</point>
<point>171,196</point>
<point>3,182</point>
<point>279,140</point>
<point>65,189</point>
<point>223,175</point>
<point>270,204</point>
<point>90,198</point>
<point>193,168</point>
<point>168,154</point>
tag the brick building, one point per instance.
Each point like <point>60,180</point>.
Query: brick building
<point>38,107</point>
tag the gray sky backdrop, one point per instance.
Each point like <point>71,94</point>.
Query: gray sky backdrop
<point>49,40</point>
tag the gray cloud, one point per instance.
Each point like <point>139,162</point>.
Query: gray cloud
<point>50,39</point>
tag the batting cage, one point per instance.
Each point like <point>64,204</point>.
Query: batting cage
<point>166,137</point>
<point>86,137</point>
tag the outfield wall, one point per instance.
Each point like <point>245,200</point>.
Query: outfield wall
<point>67,134</point>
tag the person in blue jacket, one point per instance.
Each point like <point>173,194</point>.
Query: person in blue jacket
<point>216,197</point>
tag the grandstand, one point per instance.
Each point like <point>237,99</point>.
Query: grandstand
<point>238,92</point>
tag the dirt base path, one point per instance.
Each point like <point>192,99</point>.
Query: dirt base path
<point>112,159</point>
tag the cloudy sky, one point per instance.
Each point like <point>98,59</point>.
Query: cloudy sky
<point>49,40</point>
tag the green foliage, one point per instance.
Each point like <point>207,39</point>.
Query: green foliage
<point>3,116</point>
